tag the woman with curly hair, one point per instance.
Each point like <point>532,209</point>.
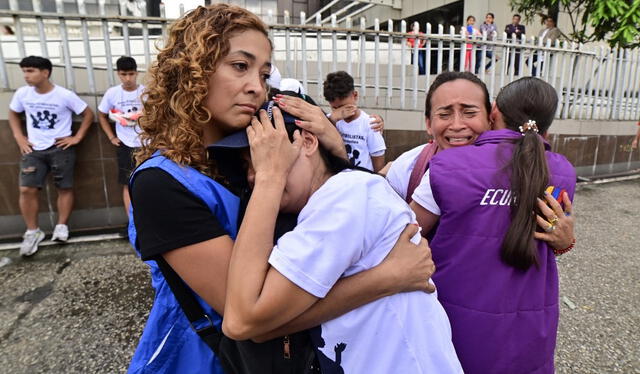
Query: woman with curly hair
<point>208,82</point>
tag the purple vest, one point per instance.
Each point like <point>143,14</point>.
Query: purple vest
<point>503,320</point>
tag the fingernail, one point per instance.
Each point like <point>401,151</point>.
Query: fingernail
<point>297,122</point>
<point>546,193</point>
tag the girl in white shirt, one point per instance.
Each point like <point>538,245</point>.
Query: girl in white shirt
<point>348,222</point>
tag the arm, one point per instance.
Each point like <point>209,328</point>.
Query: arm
<point>203,267</point>
<point>378,163</point>
<point>634,143</point>
<point>258,297</point>
<point>87,118</point>
<point>425,218</point>
<point>405,269</point>
<point>106,128</point>
<point>21,139</point>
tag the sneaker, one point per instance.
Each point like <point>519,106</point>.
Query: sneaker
<point>60,233</point>
<point>30,242</point>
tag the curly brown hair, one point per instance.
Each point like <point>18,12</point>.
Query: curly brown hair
<point>177,83</point>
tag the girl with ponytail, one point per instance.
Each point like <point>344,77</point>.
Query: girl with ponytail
<point>497,281</point>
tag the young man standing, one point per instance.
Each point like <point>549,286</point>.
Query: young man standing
<point>122,103</point>
<point>365,146</point>
<point>517,30</point>
<point>48,146</point>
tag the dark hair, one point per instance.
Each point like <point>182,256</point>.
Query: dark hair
<point>126,63</point>
<point>37,62</point>
<point>491,14</point>
<point>522,100</point>
<point>449,76</point>
<point>338,85</point>
<point>469,17</point>
<point>516,15</point>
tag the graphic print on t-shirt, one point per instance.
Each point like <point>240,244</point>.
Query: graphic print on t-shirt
<point>360,141</point>
<point>124,108</point>
<point>44,118</point>
<point>352,155</point>
<point>327,365</point>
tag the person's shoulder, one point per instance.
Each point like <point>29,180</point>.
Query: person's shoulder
<point>113,89</point>
<point>559,164</point>
<point>411,154</point>
<point>350,182</point>
<point>24,90</point>
<point>64,92</point>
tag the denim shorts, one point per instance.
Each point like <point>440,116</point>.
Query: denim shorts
<point>35,166</point>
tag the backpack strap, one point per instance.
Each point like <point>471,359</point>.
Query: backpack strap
<point>420,168</point>
<point>192,310</point>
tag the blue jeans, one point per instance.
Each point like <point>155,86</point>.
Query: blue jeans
<point>422,55</point>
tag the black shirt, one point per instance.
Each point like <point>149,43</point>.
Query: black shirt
<point>172,218</point>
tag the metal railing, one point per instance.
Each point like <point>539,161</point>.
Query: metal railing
<point>592,82</point>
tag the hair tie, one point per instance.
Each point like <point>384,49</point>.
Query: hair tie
<point>529,126</point>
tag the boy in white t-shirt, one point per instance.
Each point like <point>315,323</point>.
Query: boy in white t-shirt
<point>122,104</point>
<point>365,146</point>
<point>48,146</point>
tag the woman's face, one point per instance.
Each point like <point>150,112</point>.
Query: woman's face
<point>238,87</point>
<point>471,21</point>
<point>488,19</point>
<point>458,114</point>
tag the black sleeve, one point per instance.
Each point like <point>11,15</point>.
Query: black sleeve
<point>167,215</point>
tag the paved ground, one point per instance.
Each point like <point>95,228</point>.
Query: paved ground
<point>81,308</point>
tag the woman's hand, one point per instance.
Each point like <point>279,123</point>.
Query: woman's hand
<point>272,154</point>
<point>377,123</point>
<point>561,236</point>
<point>410,263</point>
<point>313,119</point>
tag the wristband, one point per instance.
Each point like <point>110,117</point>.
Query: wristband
<point>559,252</point>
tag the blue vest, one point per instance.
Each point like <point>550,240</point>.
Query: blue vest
<point>168,343</point>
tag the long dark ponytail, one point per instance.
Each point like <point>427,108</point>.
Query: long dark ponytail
<point>522,102</point>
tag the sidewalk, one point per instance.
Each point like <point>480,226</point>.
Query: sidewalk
<point>80,308</point>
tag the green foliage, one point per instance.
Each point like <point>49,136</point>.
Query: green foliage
<point>615,21</point>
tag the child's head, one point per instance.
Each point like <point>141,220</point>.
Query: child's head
<point>488,19</point>
<point>127,69</point>
<point>339,90</point>
<point>207,81</point>
<point>36,69</point>
<point>471,20</point>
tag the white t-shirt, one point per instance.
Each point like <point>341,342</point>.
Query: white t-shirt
<point>400,171</point>
<point>423,195</point>
<point>361,141</point>
<point>349,225</point>
<point>48,115</point>
<point>126,102</point>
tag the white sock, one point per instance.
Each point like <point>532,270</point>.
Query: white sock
<point>33,231</point>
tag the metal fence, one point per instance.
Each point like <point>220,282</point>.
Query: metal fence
<point>592,82</point>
